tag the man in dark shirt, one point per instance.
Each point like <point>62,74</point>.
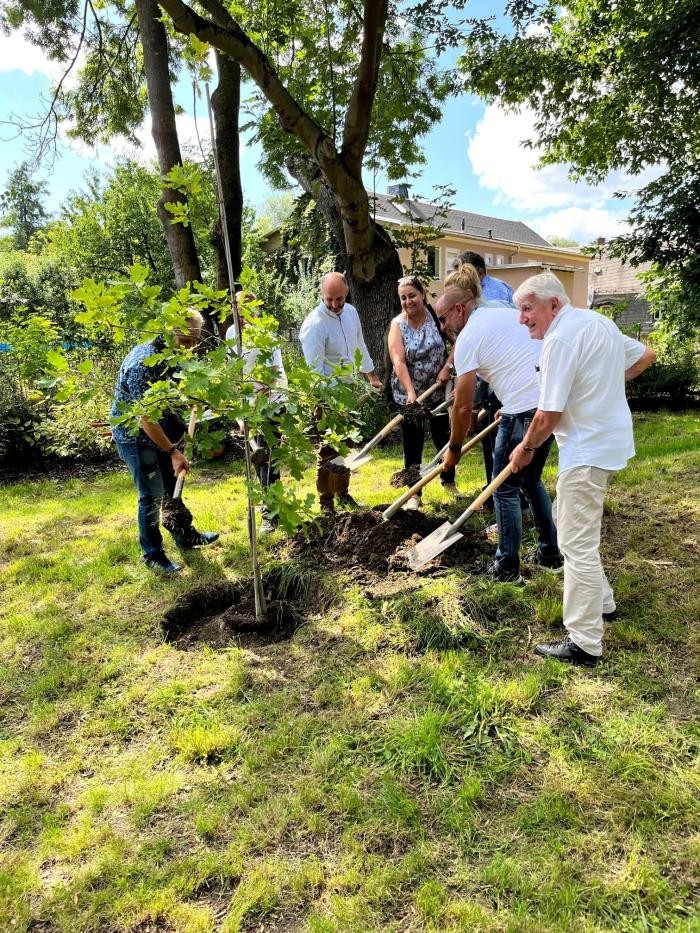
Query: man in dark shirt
<point>152,455</point>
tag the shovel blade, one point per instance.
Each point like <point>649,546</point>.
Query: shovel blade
<point>352,461</point>
<point>429,548</point>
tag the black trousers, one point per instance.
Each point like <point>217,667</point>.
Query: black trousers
<point>413,433</point>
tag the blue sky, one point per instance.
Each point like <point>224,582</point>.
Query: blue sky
<point>475,148</point>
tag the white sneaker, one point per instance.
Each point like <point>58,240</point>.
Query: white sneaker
<point>453,491</point>
<point>412,504</point>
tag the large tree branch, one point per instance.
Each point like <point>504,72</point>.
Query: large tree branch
<point>357,123</point>
<point>233,41</point>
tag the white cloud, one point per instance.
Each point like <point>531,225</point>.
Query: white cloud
<point>581,224</point>
<point>506,167</point>
<point>144,151</point>
<point>17,53</point>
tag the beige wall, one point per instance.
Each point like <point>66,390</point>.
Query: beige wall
<point>513,263</point>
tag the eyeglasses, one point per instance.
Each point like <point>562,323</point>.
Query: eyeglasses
<point>443,317</point>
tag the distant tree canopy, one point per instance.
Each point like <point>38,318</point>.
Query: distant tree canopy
<point>21,204</point>
<point>613,87</point>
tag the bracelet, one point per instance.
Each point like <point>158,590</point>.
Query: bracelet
<point>171,449</point>
<point>530,449</point>
<point>455,448</point>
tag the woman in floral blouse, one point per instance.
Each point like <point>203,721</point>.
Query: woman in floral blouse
<point>419,360</point>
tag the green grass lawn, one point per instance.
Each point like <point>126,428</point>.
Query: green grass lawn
<point>403,763</point>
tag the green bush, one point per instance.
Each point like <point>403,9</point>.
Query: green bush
<point>674,378</point>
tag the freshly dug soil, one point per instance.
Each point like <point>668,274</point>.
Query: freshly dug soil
<point>334,467</point>
<point>223,614</point>
<point>414,410</point>
<point>408,477</point>
<point>177,519</point>
<point>364,541</point>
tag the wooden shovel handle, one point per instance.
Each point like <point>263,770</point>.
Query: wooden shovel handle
<point>483,496</point>
<point>388,428</point>
<point>436,471</point>
<point>190,433</point>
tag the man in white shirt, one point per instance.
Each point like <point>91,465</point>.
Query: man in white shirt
<point>584,363</point>
<point>331,335</point>
<point>489,342</point>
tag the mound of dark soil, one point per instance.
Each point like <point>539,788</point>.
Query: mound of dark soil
<point>364,540</point>
<point>223,614</point>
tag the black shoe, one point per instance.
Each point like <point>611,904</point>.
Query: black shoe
<point>568,651</point>
<point>610,616</point>
<point>346,501</point>
<point>198,539</point>
<point>496,573</point>
<point>162,563</point>
<point>553,562</point>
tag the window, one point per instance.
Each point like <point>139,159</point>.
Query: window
<point>488,259</point>
<point>500,260</point>
<point>432,258</point>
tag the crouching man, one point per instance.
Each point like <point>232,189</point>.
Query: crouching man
<point>584,363</point>
<point>153,456</point>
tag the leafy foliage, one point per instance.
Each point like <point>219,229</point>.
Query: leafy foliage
<point>613,87</point>
<point>22,207</point>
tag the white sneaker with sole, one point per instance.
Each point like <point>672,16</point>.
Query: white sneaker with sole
<point>412,504</point>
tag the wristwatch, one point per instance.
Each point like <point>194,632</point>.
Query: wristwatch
<point>455,448</point>
<point>171,449</point>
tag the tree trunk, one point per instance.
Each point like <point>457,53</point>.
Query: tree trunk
<point>375,297</point>
<point>225,104</point>
<point>183,251</point>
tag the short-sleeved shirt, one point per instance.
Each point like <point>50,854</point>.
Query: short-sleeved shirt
<point>425,354</point>
<point>582,374</point>
<point>495,289</point>
<point>495,344</point>
<point>134,378</point>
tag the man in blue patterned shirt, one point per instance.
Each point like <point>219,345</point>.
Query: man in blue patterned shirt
<point>153,455</point>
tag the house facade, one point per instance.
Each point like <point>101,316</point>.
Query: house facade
<point>511,250</point>
<point>614,284</point>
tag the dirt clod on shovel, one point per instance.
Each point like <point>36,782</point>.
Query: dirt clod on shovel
<point>408,477</point>
<point>331,467</point>
<point>177,519</point>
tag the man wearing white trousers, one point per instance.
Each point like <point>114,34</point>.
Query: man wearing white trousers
<point>584,363</point>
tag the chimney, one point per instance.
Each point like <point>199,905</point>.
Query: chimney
<point>490,233</point>
<point>398,191</point>
<point>600,241</point>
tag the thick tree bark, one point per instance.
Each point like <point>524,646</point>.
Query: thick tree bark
<point>183,251</point>
<point>225,104</point>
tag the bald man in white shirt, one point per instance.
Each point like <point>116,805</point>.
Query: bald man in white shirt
<point>330,336</point>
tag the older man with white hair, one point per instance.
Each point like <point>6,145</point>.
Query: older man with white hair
<point>330,336</point>
<point>584,363</point>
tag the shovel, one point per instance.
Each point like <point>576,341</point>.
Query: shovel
<point>190,433</point>
<point>447,534</point>
<point>431,474</point>
<point>424,470</point>
<point>355,460</point>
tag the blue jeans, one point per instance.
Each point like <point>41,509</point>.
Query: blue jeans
<point>152,473</point>
<point>511,430</point>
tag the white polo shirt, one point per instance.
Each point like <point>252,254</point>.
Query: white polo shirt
<point>329,339</point>
<point>582,374</point>
<point>499,348</point>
